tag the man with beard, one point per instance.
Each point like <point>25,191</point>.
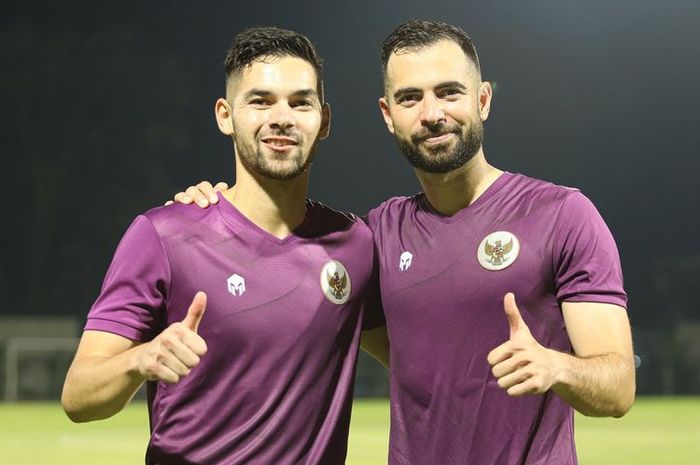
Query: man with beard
<point>476,378</point>
<point>264,375</point>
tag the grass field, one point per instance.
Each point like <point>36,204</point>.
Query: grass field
<point>656,432</point>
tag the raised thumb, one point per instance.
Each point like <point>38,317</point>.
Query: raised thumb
<point>196,311</point>
<point>515,320</point>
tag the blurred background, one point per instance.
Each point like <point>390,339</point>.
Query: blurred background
<point>107,111</point>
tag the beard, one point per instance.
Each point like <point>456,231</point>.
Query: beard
<point>277,166</point>
<point>443,157</point>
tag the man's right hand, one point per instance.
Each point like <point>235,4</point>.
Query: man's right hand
<point>203,194</point>
<point>174,352</point>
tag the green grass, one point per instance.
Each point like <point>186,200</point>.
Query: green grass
<point>657,431</point>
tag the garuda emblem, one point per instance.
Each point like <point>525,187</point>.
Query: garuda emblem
<point>498,250</point>
<point>335,282</point>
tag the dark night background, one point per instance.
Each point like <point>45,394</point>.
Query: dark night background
<point>107,111</point>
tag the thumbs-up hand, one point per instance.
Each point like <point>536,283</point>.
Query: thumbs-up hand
<point>196,311</point>
<point>174,352</point>
<point>521,365</point>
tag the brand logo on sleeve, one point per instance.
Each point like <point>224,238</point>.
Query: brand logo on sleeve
<point>335,282</point>
<point>236,284</point>
<point>405,260</point>
<point>498,250</point>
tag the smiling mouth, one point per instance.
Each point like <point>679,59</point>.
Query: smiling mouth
<point>437,139</point>
<point>279,143</point>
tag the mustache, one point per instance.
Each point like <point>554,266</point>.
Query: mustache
<point>291,133</point>
<point>434,130</point>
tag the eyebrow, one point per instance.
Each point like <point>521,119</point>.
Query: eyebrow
<point>451,85</point>
<point>305,93</point>
<point>406,90</point>
<point>267,93</point>
<point>442,86</point>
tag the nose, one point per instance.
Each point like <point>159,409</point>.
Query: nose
<point>281,116</point>
<point>432,110</point>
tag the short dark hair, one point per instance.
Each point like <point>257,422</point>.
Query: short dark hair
<point>266,42</point>
<point>417,34</point>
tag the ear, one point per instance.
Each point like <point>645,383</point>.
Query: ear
<point>386,113</point>
<point>224,117</point>
<point>325,121</point>
<point>485,95</point>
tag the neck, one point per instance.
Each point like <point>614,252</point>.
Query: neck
<point>276,206</point>
<point>450,192</point>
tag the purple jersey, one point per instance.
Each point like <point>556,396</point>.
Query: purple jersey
<point>282,326</point>
<point>442,285</point>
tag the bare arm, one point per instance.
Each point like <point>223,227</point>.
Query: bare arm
<point>376,343</point>
<point>108,369</point>
<point>102,378</point>
<point>599,380</point>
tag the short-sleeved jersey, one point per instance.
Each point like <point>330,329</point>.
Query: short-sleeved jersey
<point>282,327</point>
<point>442,285</point>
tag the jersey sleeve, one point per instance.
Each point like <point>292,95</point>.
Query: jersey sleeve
<point>134,292</point>
<point>586,260</point>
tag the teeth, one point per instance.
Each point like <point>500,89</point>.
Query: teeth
<point>279,143</point>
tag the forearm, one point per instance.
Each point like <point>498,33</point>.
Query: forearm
<point>597,385</point>
<point>98,387</point>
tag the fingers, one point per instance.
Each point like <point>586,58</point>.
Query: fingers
<point>500,353</point>
<point>181,197</point>
<point>173,369</point>
<point>220,187</point>
<point>160,372</point>
<point>513,379</point>
<point>210,192</point>
<point>195,343</point>
<point>527,386</point>
<point>203,194</point>
<point>196,311</point>
<point>172,355</point>
<point>184,357</point>
<point>509,365</point>
<point>164,365</point>
<point>519,377</point>
<point>511,369</point>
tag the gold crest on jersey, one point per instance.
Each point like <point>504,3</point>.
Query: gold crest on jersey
<point>498,250</point>
<point>335,282</point>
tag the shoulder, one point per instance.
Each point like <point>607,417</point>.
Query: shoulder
<point>540,189</point>
<point>537,195</point>
<point>326,220</point>
<point>566,209</point>
<point>391,207</point>
<point>177,216</point>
